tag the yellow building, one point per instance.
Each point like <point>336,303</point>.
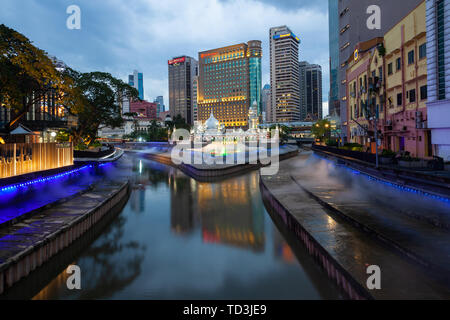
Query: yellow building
<point>365,92</point>
<point>387,77</point>
<point>406,86</point>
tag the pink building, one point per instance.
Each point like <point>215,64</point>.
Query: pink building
<point>144,109</point>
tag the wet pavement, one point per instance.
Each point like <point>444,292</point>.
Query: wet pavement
<point>351,247</point>
<point>25,234</point>
<point>407,220</point>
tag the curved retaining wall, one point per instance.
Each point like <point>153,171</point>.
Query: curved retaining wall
<point>333,269</point>
<point>212,174</point>
<point>21,265</point>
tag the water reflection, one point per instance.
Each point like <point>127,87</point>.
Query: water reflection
<point>182,239</point>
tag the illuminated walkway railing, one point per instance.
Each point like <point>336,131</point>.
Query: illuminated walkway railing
<point>22,158</point>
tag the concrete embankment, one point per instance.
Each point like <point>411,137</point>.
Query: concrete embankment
<point>342,249</point>
<point>28,245</point>
<point>209,173</point>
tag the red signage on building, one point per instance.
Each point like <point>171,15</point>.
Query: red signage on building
<point>204,55</point>
<point>177,60</point>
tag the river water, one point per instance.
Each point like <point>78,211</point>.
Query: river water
<point>177,238</point>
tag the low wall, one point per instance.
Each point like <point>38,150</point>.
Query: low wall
<point>335,272</point>
<point>93,155</point>
<point>209,175</point>
<point>31,258</point>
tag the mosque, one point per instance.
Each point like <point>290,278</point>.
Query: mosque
<point>214,131</point>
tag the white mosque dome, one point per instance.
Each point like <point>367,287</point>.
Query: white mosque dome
<point>212,123</point>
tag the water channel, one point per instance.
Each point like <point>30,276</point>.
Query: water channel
<point>177,238</point>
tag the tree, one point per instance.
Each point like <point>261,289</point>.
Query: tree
<point>321,129</point>
<point>98,101</point>
<point>178,122</point>
<point>27,75</point>
<point>284,132</point>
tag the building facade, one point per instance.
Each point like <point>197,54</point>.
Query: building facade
<point>365,93</point>
<point>266,104</point>
<point>406,86</point>
<point>360,21</point>
<point>284,74</point>
<point>160,105</point>
<point>229,83</point>
<point>195,101</point>
<point>144,109</point>
<point>438,46</point>
<point>136,80</point>
<point>391,86</point>
<point>310,83</point>
<point>182,71</point>
<point>333,25</point>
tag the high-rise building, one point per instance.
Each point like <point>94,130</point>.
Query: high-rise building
<point>266,104</point>
<point>182,71</point>
<point>136,80</point>
<point>160,104</point>
<point>195,102</point>
<point>360,21</point>
<point>333,24</point>
<point>310,83</point>
<point>437,47</point>
<point>229,83</point>
<point>284,74</point>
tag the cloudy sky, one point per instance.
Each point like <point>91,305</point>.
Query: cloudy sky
<point>118,36</point>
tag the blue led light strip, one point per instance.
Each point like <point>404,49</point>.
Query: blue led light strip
<point>44,179</point>
<point>391,184</point>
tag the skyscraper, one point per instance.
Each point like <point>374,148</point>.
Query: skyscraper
<point>284,74</point>
<point>333,23</point>
<point>266,104</point>
<point>229,83</point>
<point>160,104</point>
<point>194,94</point>
<point>310,84</point>
<point>360,21</point>
<point>182,71</point>
<point>136,80</point>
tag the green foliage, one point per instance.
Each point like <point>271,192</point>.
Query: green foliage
<point>388,153</point>
<point>178,122</point>
<point>63,136</point>
<point>27,74</point>
<point>353,147</point>
<point>98,103</point>
<point>381,50</point>
<point>332,143</point>
<point>284,132</point>
<point>321,129</point>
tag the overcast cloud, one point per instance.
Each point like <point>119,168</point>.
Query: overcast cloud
<point>118,36</point>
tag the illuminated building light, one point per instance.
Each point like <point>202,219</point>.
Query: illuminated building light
<point>177,60</point>
<point>44,179</point>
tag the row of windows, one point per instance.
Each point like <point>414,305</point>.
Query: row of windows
<point>225,57</point>
<point>411,95</point>
<point>411,59</point>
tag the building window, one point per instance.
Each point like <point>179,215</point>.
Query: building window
<point>411,57</point>
<point>399,99</point>
<point>440,18</point>
<point>399,64</point>
<point>423,51</point>
<point>390,71</point>
<point>412,96</point>
<point>423,93</point>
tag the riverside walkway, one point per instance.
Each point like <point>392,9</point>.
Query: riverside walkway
<point>26,245</point>
<point>348,233</point>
